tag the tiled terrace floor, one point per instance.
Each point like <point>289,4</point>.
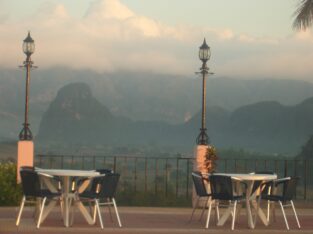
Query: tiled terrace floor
<point>147,220</point>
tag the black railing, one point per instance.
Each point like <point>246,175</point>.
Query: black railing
<point>171,176</point>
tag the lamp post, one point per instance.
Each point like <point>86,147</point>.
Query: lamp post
<point>28,49</point>
<point>204,56</point>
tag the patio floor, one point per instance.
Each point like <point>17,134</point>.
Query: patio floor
<point>148,220</point>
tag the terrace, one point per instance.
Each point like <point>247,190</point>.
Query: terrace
<point>154,196</point>
<point>147,220</point>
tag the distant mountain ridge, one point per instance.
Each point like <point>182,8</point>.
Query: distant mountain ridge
<point>137,96</point>
<point>76,117</point>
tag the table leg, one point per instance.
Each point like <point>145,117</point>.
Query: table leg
<point>67,197</point>
<point>260,214</point>
<point>225,216</point>
<point>248,207</point>
<point>85,213</point>
<point>48,209</point>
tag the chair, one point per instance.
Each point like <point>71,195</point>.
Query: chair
<point>105,189</point>
<point>222,190</point>
<point>32,189</point>
<point>283,196</point>
<point>201,191</point>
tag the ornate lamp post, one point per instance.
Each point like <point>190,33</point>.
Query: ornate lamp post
<point>204,56</point>
<point>28,49</point>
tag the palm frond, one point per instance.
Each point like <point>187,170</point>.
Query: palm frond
<point>303,15</point>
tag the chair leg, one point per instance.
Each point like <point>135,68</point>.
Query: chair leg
<point>234,216</point>
<point>94,212</point>
<point>239,210</point>
<point>194,208</point>
<point>282,209</point>
<point>99,212</point>
<point>41,211</point>
<point>117,215</point>
<point>268,211</point>
<point>109,207</point>
<point>204,206</point>
<point>20,211</point>
<point>217,210</point>
<point>294,211</point>
<point>209,214</point>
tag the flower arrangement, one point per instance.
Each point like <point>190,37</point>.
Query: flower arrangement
<point>210,159</point>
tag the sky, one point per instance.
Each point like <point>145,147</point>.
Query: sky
<point>249,39</point>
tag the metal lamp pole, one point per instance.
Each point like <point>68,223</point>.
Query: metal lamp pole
<point>204,56</point>
<point>28,49</point>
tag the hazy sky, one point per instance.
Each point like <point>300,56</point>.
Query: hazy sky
<point>248,38</point>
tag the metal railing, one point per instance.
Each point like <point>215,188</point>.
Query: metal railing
<point>171,176</point>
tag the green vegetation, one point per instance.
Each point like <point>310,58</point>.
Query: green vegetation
<point>10,191</point>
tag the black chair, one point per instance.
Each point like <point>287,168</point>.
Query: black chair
<point>103,188</point>
<point>32,190</point>
<point>282,191</point>
<point>201,191</point>
<point>222,190</point>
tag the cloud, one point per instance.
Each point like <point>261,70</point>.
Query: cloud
<point>112,37</point>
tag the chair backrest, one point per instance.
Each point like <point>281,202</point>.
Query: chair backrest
<point>30,182</point>
<point>221,187</point>
<point>264,172</point>
<point>289,188</point>
<point>199,184</point>
<point>27,168</point>
<point>104,171</point>
<point>108,185</point>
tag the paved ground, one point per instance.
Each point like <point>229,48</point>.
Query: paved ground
<point>149,220</point>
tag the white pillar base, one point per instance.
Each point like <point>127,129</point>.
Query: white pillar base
<point>199,155</point>
<point>25,156</point>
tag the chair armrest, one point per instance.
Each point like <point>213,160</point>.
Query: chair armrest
<point>45,175</point>
<point>280,181</point>
<point>283,180</point>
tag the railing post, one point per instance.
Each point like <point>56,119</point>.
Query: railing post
<point>166,175</point>
<point>62,161</point>
<point>146,174</point>
<point>135,186</point>
<point>286,169</point>
<point>226,165</point>
<point>114,163</point>
<point>305,176</point>
<point>156,176</point>
<point>94,162</point>
<point>177,165</point>
<point>187,179</point>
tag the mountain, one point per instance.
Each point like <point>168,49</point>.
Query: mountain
<point>137,96</point>
<point>267,127</point>
<point>76,118</point>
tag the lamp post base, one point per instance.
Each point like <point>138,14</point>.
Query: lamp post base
<point>203,138</point>
<point>25,134</point>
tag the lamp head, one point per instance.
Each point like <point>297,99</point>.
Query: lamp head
<point>204,52</point>
<point>28,45</point>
